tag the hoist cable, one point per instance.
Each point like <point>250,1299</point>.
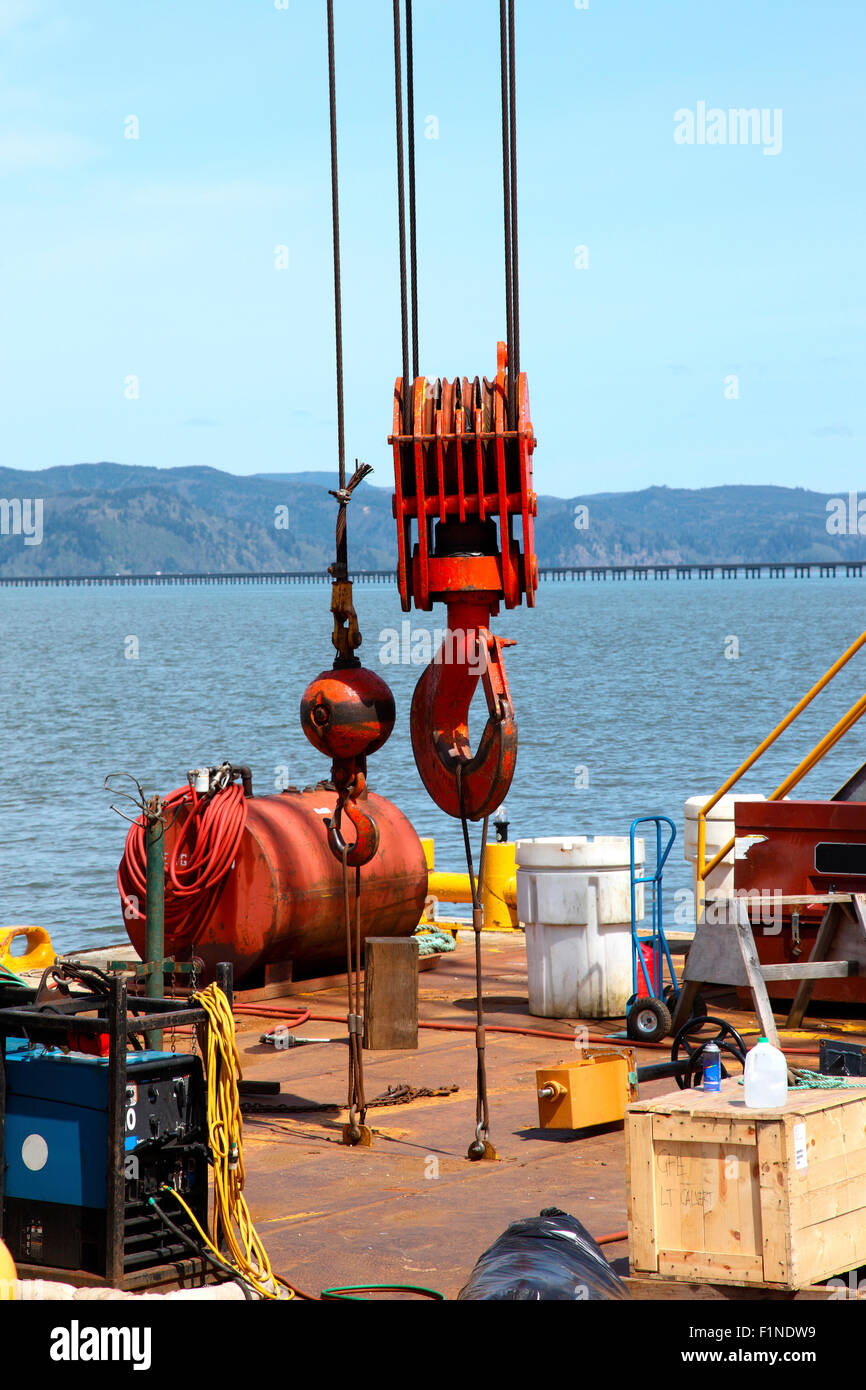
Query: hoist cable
<point>357,1105</point>
<point>508,84</point>
<point>482,1109</point>
<point>401,217</point>
<point>413,238</point>
<point>335,219</point>
<point>514,354</point>
<point>506,177</point>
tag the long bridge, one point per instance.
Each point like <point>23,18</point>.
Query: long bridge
<point>550,573</point>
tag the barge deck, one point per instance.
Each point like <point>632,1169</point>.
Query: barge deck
<point>412,1209</point>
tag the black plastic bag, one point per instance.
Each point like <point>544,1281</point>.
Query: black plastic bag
<point>544,1258</point>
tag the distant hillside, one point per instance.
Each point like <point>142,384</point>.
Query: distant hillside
<point>110,518</point>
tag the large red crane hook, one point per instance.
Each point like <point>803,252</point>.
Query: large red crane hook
<point>440,718</point>
<point>463,474</point>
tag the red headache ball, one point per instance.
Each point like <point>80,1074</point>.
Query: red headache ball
<point>347,713</point>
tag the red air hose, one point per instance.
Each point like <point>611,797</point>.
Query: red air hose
<point>195,871</point>
<point>288,1011</point>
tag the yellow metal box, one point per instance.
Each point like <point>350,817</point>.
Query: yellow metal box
<point>594,1089</point>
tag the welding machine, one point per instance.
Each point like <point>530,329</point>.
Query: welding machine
<point>56,1145</point>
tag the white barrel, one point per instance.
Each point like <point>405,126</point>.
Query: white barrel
<point>574,902</point>
<point>720,829</point>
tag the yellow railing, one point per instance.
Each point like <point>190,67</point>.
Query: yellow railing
<point>811,760</point>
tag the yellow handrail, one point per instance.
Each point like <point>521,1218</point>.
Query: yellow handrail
<point>827,742</point>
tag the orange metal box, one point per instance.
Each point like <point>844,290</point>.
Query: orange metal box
<point>592,1090</point>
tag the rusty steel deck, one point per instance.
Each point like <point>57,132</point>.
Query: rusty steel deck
<point>412,1209</point>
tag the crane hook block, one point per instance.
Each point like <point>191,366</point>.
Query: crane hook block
<point>463,482</point>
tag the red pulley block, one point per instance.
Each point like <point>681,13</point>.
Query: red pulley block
<point>463,476</point>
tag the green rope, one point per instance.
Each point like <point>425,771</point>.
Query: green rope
<point>818,1081</point>
<point>432,940</point>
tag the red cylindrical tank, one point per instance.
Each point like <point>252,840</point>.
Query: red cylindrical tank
<point>283,898</point>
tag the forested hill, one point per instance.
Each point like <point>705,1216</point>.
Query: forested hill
<point>109,518</point>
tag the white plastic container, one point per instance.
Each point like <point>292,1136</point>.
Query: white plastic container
<point>766,1077</point>
<point>719,830</point>
<point>574,902</point>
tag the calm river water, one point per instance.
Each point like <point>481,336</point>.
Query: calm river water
<point>629,689</point>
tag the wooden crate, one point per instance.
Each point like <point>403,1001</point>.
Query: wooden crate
<point>722,1194</point>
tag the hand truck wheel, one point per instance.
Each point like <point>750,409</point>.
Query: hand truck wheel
<point>648,1020</point>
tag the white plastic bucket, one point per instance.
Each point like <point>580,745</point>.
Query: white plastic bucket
<point>574,902</point>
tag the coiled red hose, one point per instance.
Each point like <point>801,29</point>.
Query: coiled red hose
<point>195,871</point>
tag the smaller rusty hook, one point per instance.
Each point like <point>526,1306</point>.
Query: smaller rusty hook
<point>366,834</point>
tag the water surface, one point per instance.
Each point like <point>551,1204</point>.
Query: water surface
<point>628,680</point>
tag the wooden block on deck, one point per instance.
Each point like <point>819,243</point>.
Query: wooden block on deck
<point>390,993</point>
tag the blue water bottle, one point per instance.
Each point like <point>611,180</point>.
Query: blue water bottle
<point>712,1063</point>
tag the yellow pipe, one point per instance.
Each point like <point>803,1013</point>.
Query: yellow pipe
<point>449,888</point>
<point>498,891</point>
<point>703,868</point>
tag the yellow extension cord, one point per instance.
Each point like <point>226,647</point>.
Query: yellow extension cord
<point>245,1252</point>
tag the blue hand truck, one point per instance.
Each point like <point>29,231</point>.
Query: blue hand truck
<point>651,1006</point>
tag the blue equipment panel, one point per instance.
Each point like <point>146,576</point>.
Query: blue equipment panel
<point>57,1120</point>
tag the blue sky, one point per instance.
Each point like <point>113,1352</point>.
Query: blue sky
<point>155,257</point>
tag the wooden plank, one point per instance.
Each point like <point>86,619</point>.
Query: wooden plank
<point>707,1204</point>
<point>833,1180</point>
<point>760,998</point>
<point>685,998</point>
<point>788,899</point>
<point>741,1268</point>
<point>687,1129</point>
<point>715,958</point>
<point>660,1289</point>
<point>728,1102</point>
<point>724,954</point>
<point>810,971</point>
<point>820,948</point>
<point>833,1247</point>
<point>774,1185</point>
<point>641,1189</point>
<point>390,993</point>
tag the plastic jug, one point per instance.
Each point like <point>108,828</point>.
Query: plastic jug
<point>766,1077</point>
